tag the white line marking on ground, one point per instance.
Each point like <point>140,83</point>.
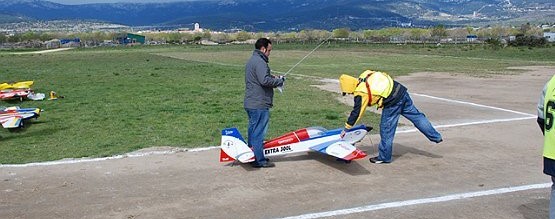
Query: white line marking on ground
<point>128,155</point>
<point>471,123</point>
<point>473,104</point>
<point>420,201</point>
<point>84,160</point>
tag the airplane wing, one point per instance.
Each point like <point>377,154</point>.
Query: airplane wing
<point>22,84</point>
<point>4,86</point>
<point>340,149</point>
<point>11,122</point>
<point>7,95</point>
<point>28,113</point>
<point>16,85</point>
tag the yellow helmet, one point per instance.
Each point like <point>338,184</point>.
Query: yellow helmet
<point>348,84</point>
<point>364,75</point>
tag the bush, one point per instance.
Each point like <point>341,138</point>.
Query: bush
<point>494,43</point>
<point>530,41</point>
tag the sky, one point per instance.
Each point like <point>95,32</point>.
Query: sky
<point>77,2</point>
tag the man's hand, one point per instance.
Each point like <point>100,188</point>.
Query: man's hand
<point>280,88</point>
<point>343,133</point>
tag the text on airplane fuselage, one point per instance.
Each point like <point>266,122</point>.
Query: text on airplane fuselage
<point>277,149</point>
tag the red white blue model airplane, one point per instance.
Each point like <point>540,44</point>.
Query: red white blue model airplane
<point>233,146</point>
<point>18,90</point>
<point>13,117</point>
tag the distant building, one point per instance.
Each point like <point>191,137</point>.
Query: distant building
<point>130,38</point>
<point>75,42</point>
<point>407,24</point>
<point>52,44</point>
<point>549,36</point>
<point>197,28</point>
<point>471,38</point>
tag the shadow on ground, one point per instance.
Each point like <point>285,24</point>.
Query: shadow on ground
<point>538,208</point>
<point>353,168</point>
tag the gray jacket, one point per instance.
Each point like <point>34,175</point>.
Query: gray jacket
<point>259,83</point>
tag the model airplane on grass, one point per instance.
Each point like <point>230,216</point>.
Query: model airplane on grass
<point>18,90</point>
<point>233,146</point>
<point>14,117</point>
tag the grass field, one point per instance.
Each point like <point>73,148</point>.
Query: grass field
<point>122,99</point>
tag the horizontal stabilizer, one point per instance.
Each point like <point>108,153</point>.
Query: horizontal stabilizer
<point>354,134</point>
<point>339,149</point>
<point>11,122</point>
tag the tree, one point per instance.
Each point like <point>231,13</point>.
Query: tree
<point>303,35</point>
<point>322,34</point>
<point>498,31</point>
<point>219,37</point>
<point>206,34</point>
<point>469,29</point>
<point>29,36</point>
<point>356,35</point>
<point>186,37</point>
<point>419,33</point>
<point>439,31</point>
<point>45,37</point>
<point>524,28</point>
<point>259,35</point>
<point>288,37</point>
<point>243,36</point>
<point>458,33</point>
<point>341,33</point>
<point>14,38</point>
<point>3,38</point>
<point>174,38</point>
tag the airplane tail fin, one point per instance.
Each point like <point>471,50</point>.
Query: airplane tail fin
<point>233,147</point>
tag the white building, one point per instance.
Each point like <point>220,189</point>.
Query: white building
<point>549,36</point>
<point>197,28</point>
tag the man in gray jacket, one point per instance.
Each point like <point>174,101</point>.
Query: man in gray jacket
<point>259,96</point>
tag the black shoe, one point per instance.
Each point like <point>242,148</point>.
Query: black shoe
<point>376,160</point>
<point>439,141</point>
<point>268,164</point>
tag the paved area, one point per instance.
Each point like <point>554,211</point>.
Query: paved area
<point>489,166</point>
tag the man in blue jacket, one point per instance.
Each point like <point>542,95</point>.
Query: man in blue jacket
<point>259,96</point>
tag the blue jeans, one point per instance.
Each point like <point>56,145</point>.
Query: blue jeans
<point>390,118</point>
<point>258,126</point>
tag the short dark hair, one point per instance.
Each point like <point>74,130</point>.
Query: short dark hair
<point>262,42</point>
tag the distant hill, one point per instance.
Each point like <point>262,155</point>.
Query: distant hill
<point>274,15</point>
<point>6,18</point>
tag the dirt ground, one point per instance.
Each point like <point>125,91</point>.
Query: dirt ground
<point>491,142</point>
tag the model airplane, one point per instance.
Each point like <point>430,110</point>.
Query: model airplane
<point>233,146</point>
<point>18,90</point>
<point>13,117</point>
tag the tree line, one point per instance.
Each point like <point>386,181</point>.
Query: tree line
<point>439,33</point>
